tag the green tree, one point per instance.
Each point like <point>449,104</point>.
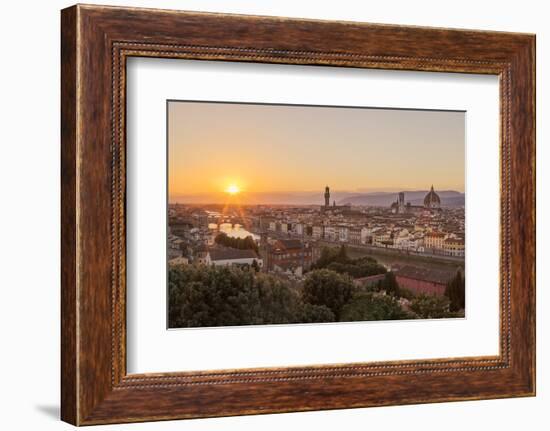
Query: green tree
<point>325,287</point>
<point>389,284</point>
<point>455,291</point>
<point>406,293</point>
<point>337,259</point>
<point>328,255</point>
<point>279,302</point>
<point>342,256</point>
<point>310,313</point>
<point>202,296</point>
<point>247,243</point>
<point>212,296</point>
<point>357,270</point>
<point>331,255</point>
<point>255,265</point>
<point>431,306</point>
<point>372,306</point>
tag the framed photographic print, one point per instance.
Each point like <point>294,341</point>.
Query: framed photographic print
<point>267,215</point>
<point>242,203</point>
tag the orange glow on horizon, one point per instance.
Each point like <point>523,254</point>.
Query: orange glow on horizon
<point>265,153</point>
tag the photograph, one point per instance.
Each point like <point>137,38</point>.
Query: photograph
<point>306,214</point>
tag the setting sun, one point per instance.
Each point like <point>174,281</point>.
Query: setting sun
<point>233,189</point>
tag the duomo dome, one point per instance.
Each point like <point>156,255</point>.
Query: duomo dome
<point>432,199</point>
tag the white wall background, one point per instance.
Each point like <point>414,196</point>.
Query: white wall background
<point>29,215</point>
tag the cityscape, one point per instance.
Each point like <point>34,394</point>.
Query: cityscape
<point>315,257</point>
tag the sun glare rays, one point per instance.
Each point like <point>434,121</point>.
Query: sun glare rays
<point>233,189</point>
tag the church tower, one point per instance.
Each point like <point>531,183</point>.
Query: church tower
<point>327,197</point>
<point>401,203</point>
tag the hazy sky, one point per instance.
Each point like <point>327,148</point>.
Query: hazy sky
<point>274,148</point>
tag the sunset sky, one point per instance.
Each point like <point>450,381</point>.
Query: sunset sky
<point>261,149</point>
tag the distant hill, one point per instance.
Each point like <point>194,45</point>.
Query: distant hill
<point>449,198</point>
<point>266,198</point>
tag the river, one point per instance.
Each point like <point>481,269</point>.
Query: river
<point>234,231</point>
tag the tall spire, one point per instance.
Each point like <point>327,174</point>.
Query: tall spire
<point>327,196</point>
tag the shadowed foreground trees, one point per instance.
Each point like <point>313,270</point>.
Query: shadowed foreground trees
<point>209,296</point>
<point>455,291</point>
<point>370,306</point>
<point>202,296</point>
<point>431,306</point>
<point>328,288</point>
<point>247,243</point>
<point>389,284</point>
<point>336,259</point>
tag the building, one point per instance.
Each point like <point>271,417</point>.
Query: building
<point>434,241</point>
<point>327,197</point>
<point>366,237</point>
<point>330,233</point>
<point>201,219</point>
<point>453,247</point>
<point>221,256</point>
<point>327,208</point>
<point>423,280</point>
<point>290,256</point>
<point>201,254</point>
<point>175,245</point>
<point>266,222</point>
<point>401,203</point>
<point>285,227</point>
<point>432,201</point>
<point>382,238</point>
<point>402,239</point>
<point>342,233</point>
<point>318,231</point>
<point>177,261</point>
<point>354,235</point>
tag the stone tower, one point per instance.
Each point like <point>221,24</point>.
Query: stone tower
<point>401,203</point>
<point>327,197</point>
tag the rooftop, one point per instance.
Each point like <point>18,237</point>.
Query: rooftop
<point>227,253</point>
<point>454,241</point>
<point>435,234</point>
<point>289,244</point>
<point>425,274</point>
